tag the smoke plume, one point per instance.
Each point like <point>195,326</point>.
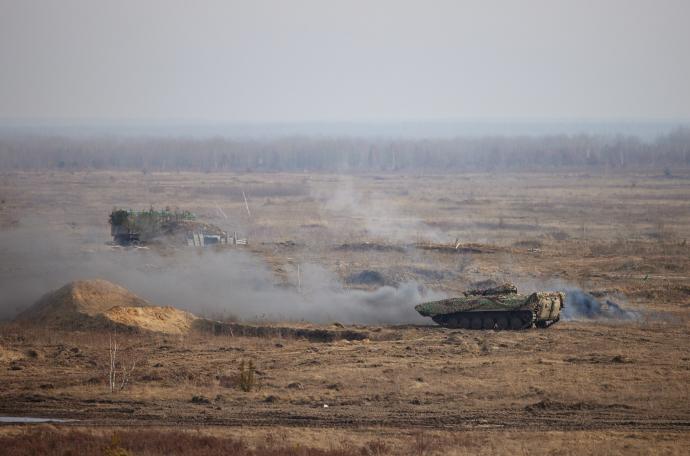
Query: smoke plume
<point>219,284</point>
<point>378,214</point>
<point>581,305</point>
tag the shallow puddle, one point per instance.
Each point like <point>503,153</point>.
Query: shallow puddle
<point>29,419</point>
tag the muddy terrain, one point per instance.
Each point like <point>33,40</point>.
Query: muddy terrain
<point>592,383</point>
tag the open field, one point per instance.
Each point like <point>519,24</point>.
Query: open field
<point>580,387</point>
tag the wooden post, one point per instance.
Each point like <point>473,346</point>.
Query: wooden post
<point>299,280</point>
<point>246,205</point>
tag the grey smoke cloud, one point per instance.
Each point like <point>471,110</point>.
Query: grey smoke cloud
<point>377,213</point>
<point>36,259</point>
<point>584,306</point>
<point>227,283</point>
<point>580,305</point>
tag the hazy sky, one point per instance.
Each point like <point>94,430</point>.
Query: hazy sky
<point>294,61</point>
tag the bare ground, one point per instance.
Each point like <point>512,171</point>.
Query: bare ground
<point>617,387</point>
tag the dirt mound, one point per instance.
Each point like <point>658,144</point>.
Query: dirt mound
<point>93,304</point>
<point>157,319</point>
<point>99,304</point>
<point>79,303</point>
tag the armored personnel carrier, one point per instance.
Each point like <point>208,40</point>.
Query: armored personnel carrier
<point>499,307</point>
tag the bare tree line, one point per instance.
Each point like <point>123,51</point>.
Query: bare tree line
<point>37,152</point>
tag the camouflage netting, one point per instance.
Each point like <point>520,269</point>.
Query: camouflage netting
<point>471,303</point>
<point>128,226</point>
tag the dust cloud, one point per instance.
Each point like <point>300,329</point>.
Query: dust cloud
<point>378,213</point>
<point>229,283</point>
<point>581,306</point>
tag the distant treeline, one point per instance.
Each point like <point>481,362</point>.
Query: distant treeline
<point>343,154</point>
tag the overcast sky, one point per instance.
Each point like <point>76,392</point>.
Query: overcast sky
<point>296,61</point>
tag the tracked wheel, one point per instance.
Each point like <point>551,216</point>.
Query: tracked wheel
<point>441,320</point>
<point>451,322</point>
<point>486,320</point>
<point>516,322</point>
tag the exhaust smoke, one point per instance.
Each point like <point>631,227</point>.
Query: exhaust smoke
<point>583,306</point>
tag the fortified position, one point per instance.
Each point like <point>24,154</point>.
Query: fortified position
<point>129,227</point>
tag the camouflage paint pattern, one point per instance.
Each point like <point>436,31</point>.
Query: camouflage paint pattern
<point>545,306</point>
<point>473,303</point>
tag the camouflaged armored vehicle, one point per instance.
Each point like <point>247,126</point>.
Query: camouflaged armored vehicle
<point>496,308</point>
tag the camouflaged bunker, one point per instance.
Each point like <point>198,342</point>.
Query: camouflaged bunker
<point>496,308</point>
<point>133,227</point>
<point>129,227</point>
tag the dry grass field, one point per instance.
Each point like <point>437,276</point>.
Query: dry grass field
<point>582,386</point>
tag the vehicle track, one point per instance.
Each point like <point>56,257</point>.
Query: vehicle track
<point>158,414</point>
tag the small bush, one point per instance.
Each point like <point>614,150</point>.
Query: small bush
<point>153,442</point>
<point>424,444</point>
<point>375,448</point>
<point>247,376</point>
<point>115,448</point>
<point>200,400</point>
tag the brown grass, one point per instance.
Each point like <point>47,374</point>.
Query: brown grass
<point>575,388</point>
<point>60,441</point>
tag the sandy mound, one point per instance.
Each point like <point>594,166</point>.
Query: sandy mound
<point>78,303</point>
<point>158,319</point>
<point>90,304</point>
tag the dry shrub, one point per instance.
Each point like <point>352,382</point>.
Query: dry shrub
<point>246,378</point>
<point>52,442</point>
<point>424,444</point>
<point>376,448</point>
<point>115,448</point>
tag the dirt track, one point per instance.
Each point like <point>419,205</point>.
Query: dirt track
<point>558,417</point>
<point>574,376</point>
